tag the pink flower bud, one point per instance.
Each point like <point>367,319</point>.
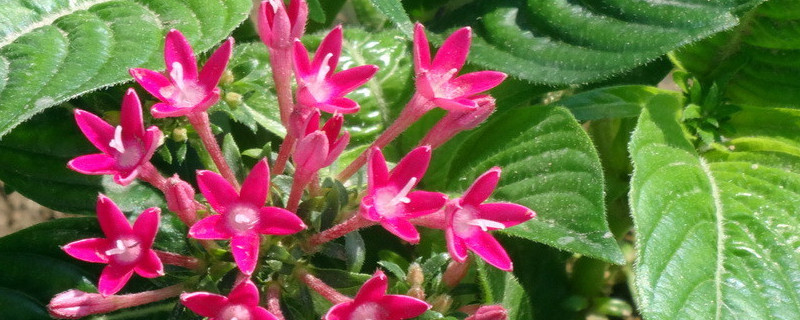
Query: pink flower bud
<point>180,199</point>
<point>492,312</point>
<point>279,26</point>
<point>74,304</point>
<point>454,273</point>
<point>460,120</point>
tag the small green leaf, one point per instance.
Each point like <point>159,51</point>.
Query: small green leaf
<point>502,287</point>
<point>51,51</point>
<point>355,250</point>
<point>232,156</point>
<point>711,231</point>
<point>550,166</point>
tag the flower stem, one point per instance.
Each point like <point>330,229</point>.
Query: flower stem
<point>283,154</point>
<point>414,110</point>
<point>202,125</point>
<point>281,61</point>
<point>434,220</point>
<point>298,185</point>
<point>273,300</point>
<point>352,224</point>
<point>149,174</point>
<point>323,289</point>
<point>175,259</point>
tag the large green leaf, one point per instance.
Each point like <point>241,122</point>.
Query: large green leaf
<point>759,61</point>
<point>51,51</point>
<point>33,160</point>
<point>549,165</point>
<point>571,42</point>
<point>716,233</point>
<point>500,287</point>
<point>611,102</point>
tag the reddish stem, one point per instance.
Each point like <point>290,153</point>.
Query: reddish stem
<point>281,61</point>
<point>175,259</point>
<point>352,224</point>
<point>414,110</point>
<point>149,173</point>
<point>201,124</point>
<point>298,185</point>
<point>323,289</point>
<point>283,154</point>
<point>273,300</point>
<point>436,220</point>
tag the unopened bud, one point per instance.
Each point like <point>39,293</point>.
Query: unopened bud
<point>74,304</point>
<point>180,134</point>
<point>180,200</point>
<point>416,292</point>
<point>454,273</point>
<point>492,312</point>
<point>415,276</point>
<point>457,121</point>
<point>233,99</point>
<point>442,303</point>
<point>227,77</point>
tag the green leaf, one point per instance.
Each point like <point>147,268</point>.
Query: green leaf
<point>33,159</point>
<point>759,61</point>
<point>18,305</point>
<point>611,102</point>
<point>716,237</point>
<point>51,51</point>
<point>393,9</point>
<point>550,166</point>
<point>502,287</point>
<point>572,42</point>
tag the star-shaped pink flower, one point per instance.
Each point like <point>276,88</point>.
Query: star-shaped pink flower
<point>184,90</point>
<point>437,80</point>
<point>241,303</point>
<point>372,302</point>
<point>389,198</point>
<point>243,216</point>
<point>126,147</point>
<point>125,249</point>
<point>468,221</point>
<point>278,26</point>
<point>318,85</point>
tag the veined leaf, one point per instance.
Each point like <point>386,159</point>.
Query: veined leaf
<point>500,287</point>
<point>570,42</point>
<point>51,51</point>
<point>717,237</point>
<point>759,61</point>
<point>549,166</point>
<point>611,102</point>
<point>393,9</point>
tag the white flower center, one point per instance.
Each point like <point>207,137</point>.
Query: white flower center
<point>116,143</point>
<point>242,218</point>
<point>235,312</point>
<point>183,94</point>
<point>465,221</point>
<point>387,202</point>
<point>369,311</point>
<point>125,250</point>
<point>324,68</point>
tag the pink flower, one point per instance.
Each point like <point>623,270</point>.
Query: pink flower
<point>184,90</point>
<point>279,27</point>
<point>241,303</point>
<point>468,221</point>
<point>243,216</point>
<point>319,148</point>
<point>372,302</point>
<point>389,198</point>
<point>126,147</point>
<point>125,249</point>
<point>456,121</point>
<point>437,81</point>
<point>318,85</point>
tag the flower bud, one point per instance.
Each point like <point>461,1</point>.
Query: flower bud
<point>180,200</point>
<point>492,312</point>
<point>442,303</point>
<point>415,276</point>
<point>74,304</point>
<point>454,273</point>
<point>456,121</point>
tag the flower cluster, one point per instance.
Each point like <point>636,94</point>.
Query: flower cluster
<point>255,228</point>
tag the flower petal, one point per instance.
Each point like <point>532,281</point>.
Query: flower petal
<point>373,289</point>
<point>146,226</point>
<point>422,50</point>
<point>332,127</point>
<point>413,165</point>
<point>509,214</point>
<point>340,311</point>
<point>455,245</point>
<point>476,82</point>
<point>338,105</point>
<point>401,228</point>
<point>112,221</point>
<point>256,186</point>
<point>149,266</point>
<point>97,163</point>
<point>215,66</point>
<point>245,251</point>
<point>403,307</point>
<point>178,50</point>
<point>310,155</point>
<point>348,80</point>
<point>456,105</point>
<point>331,44</point>
<point>96,130</point>
<point>89,250</point>
<point>131,116</point>
<point>151,141</point>
<point>245,293</point>
<point>486,247</point>
<point>219,193</point>
<point>260,313</point>
<point>125,177</point>
<point>377,171</point>
<point>204,303</point>
<point>482,188</point>
<point>151,81</point>
<point>209,228</point>
<point>453,52</point>
<point>278,221</point>
<point>424,202</point>
<point>302,66</point>
<point>164,110</point>
<point>113,278</point>
<point>336,149</point>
